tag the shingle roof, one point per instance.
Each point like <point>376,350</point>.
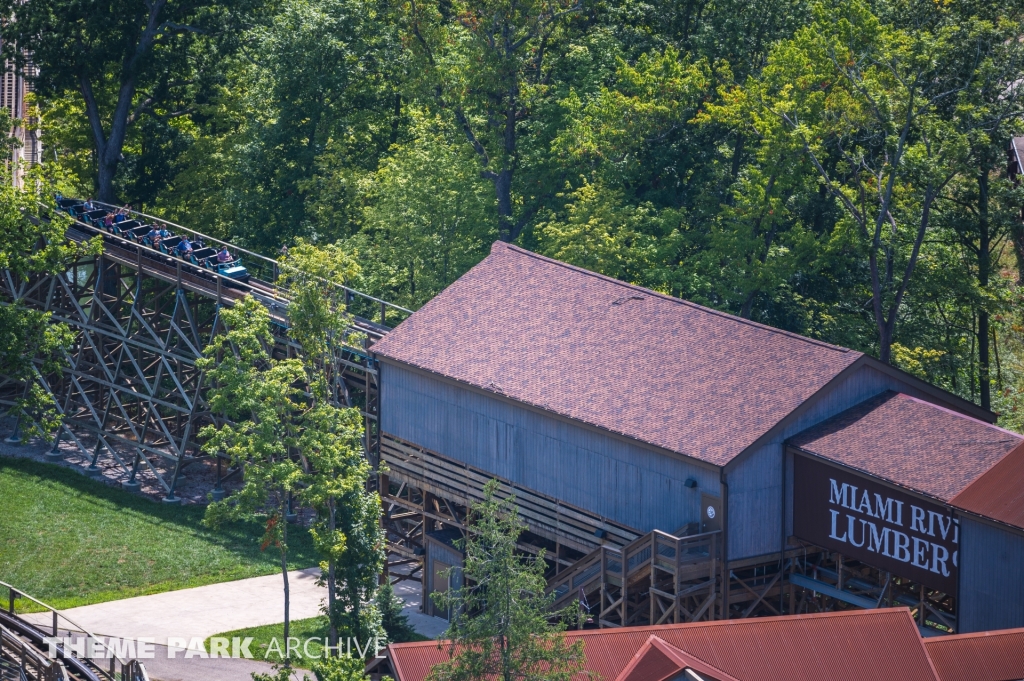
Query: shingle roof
<point>998,493</point>
<point>985,656</point>
<point>867,645</point>
<point>910,442</point>
<point>651,367</point>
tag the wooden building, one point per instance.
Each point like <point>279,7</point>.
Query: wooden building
<point>652,444</point>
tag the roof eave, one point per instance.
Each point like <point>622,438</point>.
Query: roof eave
<point>957,403</point>
<point>946,398</point>
<point>552,414</point>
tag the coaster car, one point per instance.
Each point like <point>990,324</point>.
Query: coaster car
<point>94,216</point>
<point>233,270</point>
<point>203,257</point>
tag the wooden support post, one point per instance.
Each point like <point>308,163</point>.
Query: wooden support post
<point>624,591</point>
<point>792,592</point>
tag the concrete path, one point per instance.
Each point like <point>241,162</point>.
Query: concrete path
<point>196,614</point>
<point>203,611</point>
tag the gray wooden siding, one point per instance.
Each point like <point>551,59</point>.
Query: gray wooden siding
<point>627,483</point>
<point>755,482</point>
<point>991,577</point>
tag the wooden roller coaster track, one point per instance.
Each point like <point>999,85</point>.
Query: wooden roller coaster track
<point>130,391</point>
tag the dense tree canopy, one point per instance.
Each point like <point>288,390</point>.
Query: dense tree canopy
<point>832,167</point>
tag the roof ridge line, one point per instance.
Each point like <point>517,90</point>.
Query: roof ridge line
<point>976,634</point>
<point>1018,436</point>
<point>688,303</point>
<point>876,476</point>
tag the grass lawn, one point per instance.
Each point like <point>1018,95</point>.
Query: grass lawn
<point>314,627</point>
<point>69,541</point>
<point>261,648</point>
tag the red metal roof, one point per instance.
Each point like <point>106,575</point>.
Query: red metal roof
<point>867,645</point>
<point>985,656</point>
<point>654,368</point>
<point>912,443</point>
<point>998,493</point>
<point>658,660</point>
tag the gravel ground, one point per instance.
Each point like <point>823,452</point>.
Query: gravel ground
<point>194,484</point>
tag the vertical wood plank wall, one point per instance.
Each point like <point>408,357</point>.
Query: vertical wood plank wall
<point>436,551</point>
<point>627,483</point>
<point>991,577</point>
<point>755,482</point>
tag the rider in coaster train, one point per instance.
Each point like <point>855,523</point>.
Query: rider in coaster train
<point>223,255</point>
<point>184,247</point>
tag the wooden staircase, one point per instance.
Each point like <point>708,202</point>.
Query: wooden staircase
<point>655,579</point>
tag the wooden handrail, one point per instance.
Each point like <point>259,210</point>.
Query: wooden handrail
<point>565,583</point>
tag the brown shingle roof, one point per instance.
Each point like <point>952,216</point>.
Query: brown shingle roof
<point>910,442</point>
<point>999,493</point>
<point>623,358</point>
<point>985,656</point>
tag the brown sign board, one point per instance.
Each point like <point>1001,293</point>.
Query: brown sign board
<point>886,528</point>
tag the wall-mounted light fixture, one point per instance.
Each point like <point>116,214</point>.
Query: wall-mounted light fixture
<point>690,482</point>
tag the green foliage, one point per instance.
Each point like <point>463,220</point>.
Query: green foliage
<point>833,167</point>
<point>257,398</point>
<point>429,217</point>
<point>347,531</point>
<point>395,622</point>
<point>132,69</point>
<point>325,669</point>
<point>340,669</point>
<point>310,89</point>
<point>501,627</point>
<point>31,344</point>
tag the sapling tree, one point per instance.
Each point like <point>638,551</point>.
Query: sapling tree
<point>501,624</point>
<point>347,532</point>
<point>261,406</point>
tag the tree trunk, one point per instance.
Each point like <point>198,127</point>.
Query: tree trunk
<point>984,244</point>
<point>331,582</point>
<point>284,575</point>
<point>885,344</point>
<point>503,192</point>
<point>105,181</point>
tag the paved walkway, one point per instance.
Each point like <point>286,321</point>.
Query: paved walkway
<point>204,611</point>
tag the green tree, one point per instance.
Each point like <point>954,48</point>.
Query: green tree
<point>501,623</point>
<point>33,345</point>
<point>347,532</point>
<point>260,406</point>
<point>394,621</point>
<point>866,101</point>
<point>427,219</point>
<point>307,104</point>
<point>125,59</point>
<point>485,62</point>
